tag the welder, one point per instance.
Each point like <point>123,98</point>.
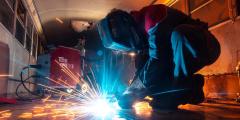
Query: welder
<point>171,48</point>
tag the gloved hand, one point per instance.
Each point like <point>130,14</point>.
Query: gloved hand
<point>130,96</point>
<point>126,101</point>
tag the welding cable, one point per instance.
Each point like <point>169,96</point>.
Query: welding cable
<point>24,81</point>
<point>170,91</point>
<point>21,76</point>
<point>41,95</point>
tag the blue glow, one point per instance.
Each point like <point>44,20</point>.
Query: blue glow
<point>99,52</point>
<point>111,74</point>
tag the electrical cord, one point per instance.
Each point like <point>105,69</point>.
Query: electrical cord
<point>23,81</point>
<point>40,95</point>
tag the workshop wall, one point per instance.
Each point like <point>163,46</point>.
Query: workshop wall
<point>228,36</point>
<point>223,78</point>
<point>18,58</point>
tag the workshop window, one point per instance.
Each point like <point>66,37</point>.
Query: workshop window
<point>6,15</point>
<point>21,11</point>
<point>213,12</point>
<point>20,24</point>
<point>29,33</point>
<point>29,25</point>
<point>28,43</point>
<point>37,46</point>
<point>20,32</point>
<point>40,48</point>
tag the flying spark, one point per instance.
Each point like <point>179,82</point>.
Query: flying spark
<point>90,102</point>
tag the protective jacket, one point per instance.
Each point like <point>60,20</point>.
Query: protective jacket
<point>179,46</point>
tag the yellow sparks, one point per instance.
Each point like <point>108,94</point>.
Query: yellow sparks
<point>148,98</point>
<point>143,108</point>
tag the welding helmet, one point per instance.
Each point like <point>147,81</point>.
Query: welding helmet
<point>119,31</point>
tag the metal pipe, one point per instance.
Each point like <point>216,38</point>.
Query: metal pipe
<point>201,6</point>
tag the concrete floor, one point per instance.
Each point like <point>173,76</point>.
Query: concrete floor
<point>37,110</point>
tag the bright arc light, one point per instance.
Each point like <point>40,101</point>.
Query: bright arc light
<point>103,108</point>
<point>69,90</point>
<point>132,54</point>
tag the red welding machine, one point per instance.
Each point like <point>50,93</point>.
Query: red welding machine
<point>65,67</point>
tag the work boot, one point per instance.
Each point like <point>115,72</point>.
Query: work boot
<point>196,95</point>
<point>191,92</point>
<point>169,99</point>
<point>164,102</point>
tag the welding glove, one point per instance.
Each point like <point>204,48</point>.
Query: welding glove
<point>127,99</point>
<point>135,92</point>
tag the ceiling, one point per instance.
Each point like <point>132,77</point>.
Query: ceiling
<point>60,32</point>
